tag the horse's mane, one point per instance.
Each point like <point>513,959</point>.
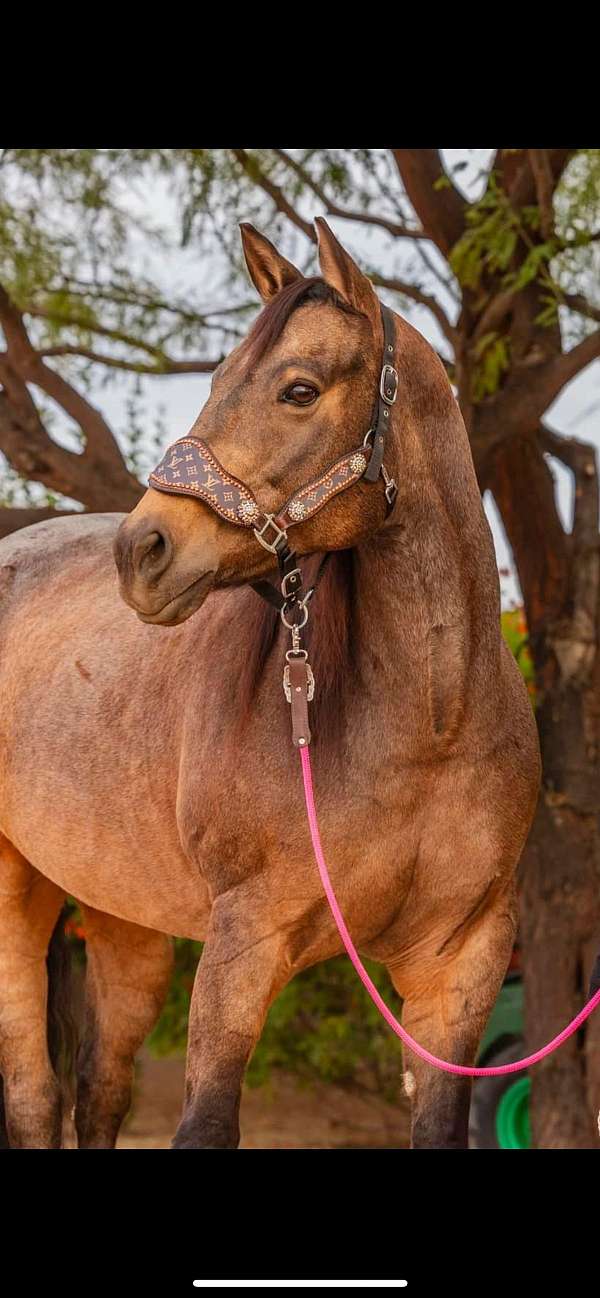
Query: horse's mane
<point>327,635</point>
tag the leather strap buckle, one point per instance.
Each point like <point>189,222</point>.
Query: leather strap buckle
<point>388,385</point>
<point>280,535</point>
<point>291,583</point>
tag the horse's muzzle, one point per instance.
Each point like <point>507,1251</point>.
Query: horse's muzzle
<point>150,580</point>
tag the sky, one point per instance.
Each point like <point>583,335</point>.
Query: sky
<point>179,398</point>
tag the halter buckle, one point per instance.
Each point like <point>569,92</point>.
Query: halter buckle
<point>293,578</point>
<point>388,385</point>
<point>280,535</point>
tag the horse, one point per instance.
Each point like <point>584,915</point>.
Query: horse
<point>146,766</point>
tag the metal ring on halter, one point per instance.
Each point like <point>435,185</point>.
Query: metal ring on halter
<point>367,436</point>
<point>296,653</point>
<point>291,626</point>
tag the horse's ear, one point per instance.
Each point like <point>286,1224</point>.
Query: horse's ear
<point>342,273</point>
<point>268,270</point>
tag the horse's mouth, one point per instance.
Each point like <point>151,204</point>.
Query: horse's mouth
<point>180,606</point>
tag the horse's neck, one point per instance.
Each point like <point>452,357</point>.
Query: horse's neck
<point>433,565</point>
<point>425,618</point>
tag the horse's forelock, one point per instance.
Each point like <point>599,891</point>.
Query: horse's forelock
<point>271,322</point>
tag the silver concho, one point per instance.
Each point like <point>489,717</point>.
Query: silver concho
<point>297,510</point>
<point>358,463</point>
<point>247,510</point>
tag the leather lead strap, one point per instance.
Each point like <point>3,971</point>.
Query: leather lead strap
<point>299,702</point>
<point>388,391</point>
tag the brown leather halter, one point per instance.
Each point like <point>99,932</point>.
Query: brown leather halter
<point>189,468</point>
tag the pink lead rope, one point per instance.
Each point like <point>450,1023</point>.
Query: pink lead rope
<point>459,1069</point>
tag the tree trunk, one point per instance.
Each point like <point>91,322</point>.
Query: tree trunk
<point>560,869</point>
<point>560,924</point>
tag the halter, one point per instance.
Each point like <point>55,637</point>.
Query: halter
<point>189,468</point>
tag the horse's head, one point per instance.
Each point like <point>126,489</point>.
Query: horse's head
<point>295,396</point>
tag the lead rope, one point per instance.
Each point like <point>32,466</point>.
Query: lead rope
<point>459,1069</point>
<point>299,687</point>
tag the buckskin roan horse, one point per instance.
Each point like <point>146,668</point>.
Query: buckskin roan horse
<point>147,767</point>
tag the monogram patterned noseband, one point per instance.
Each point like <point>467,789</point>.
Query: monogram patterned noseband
<point>191,468</point>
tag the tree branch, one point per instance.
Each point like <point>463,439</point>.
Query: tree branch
<point>441,212</point>
<point>100,471</point>
<point>255,173</point>
<point>333,209</point>
<point>103,331</point>
<point>544,186</point>
<point>517,175</point>
<point>166,367</point>
<point>580,458</point>
<point>494,313</point>
<point>552,376</point>
<point>417,295</point>
<point>447,284</point>
<point>27,446</point>
<point>576,302</point>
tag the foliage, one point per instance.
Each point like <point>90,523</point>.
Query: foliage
<point>321,1026</point>
<point>514,630</point>
<point>170,1034</point>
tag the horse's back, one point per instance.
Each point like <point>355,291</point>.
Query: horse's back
<point>90,725</point>
<point>39,553</point>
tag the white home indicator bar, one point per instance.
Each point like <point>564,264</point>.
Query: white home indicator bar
<point>300,1284</point>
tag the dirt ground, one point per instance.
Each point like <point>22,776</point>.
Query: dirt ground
<point>283,1115</point>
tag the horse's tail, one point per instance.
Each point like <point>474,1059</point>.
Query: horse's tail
<point>61,1017</point>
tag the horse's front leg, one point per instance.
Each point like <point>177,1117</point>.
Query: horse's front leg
<point>448,1000</point>
<point>242,968</point>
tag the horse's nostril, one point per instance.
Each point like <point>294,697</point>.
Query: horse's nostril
<point>155,545</point>
<point>152,554</point>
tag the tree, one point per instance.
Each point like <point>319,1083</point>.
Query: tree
<point>507,279</point>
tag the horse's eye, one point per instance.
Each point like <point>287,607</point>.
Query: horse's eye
<point>301,394</point>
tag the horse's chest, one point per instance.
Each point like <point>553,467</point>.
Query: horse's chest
<point>246,827</point>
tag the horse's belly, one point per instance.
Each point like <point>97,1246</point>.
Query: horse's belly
<point>148,881</point>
